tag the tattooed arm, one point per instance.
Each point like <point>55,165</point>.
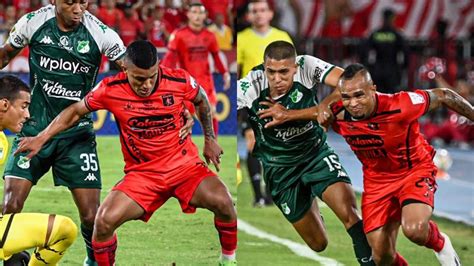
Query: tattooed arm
<point>452,100</point>
<point>212,150</point>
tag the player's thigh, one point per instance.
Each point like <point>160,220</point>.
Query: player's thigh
<point>23,231</point>
<point>20,167</point>
<point>288,192</point>
<point>77,163</point>
<point>118,208</point>
<point>198,187</point>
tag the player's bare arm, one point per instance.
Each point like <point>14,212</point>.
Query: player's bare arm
<point>279,114</point>
<point>212,150</point>
<point>324,113</point>
<point>7,53</point>
<point>66,119</point>
<point>452,100</point>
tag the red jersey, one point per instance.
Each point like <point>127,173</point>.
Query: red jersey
<point>192,49</point>
<point>389,143</point>
<point>149,126</point>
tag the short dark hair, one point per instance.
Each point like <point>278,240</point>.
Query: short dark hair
<point>279,50</point>
<point>142,53</point>
<point>10,87</point>
<point>195,3</point>
<point>353,69</point>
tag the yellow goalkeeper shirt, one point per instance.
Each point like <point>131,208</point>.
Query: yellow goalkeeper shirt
<point>251,45</point>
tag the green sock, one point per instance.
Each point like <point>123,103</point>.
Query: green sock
<point>87,235</point>
<point>362,249</point>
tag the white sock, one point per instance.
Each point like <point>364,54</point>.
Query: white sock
<point>228,257</point>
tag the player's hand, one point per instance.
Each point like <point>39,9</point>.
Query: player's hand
<point>226,78</point>
<point>275,111</point>
<point>212,152</point>
<point>325,116</point>
<point>188,125</point>
<point>31,144</point>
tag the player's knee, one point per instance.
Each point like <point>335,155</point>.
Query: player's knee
<point>417,232</point>
<point>13,205</point>
<point>67,229</point>
<point>88,217</point>
<point>318,244</point>
<point>223,207</point>
<point>104,225</point>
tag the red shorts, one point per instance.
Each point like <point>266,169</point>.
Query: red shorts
<point>151,190</point>
<point>383,205</point>
<point>211,96</point>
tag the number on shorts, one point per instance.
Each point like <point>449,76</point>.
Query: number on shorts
<point>332,162</point>
<point>90,163</point>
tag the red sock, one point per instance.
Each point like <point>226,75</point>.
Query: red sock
<point>435,239</point>
<point>215,125</point>
<point>399,261</point>
<point>104,252</point>
<point>227,236</point>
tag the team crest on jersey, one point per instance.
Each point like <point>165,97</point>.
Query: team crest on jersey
<point>83,47</point>
<point>296,96</point>
<point>285,208</point>
<point>168,99</point>
<point>23,162</point>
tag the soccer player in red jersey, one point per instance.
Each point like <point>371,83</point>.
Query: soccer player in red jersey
<point>399,174</point>
<point>190,47</point>
<point>147,101</point>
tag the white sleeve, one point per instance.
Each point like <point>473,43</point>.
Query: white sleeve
<point>20,34</point>
<point>26,26</point>
<point>246,91</point>
<point>106,38</point>
<point>312,70</point>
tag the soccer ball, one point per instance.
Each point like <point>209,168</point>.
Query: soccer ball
<point>443,160</point>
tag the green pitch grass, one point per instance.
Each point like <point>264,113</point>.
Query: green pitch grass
<point>256,251</point>
<point>170,237</point>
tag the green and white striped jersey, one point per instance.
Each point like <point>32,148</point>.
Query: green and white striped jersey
<point>290,143</point>
<point>63,65</point>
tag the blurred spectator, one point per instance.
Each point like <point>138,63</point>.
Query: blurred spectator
<point>9,19</point>
<point>130,27</point>
<point>223,33</point>
<point>93,8</point>
<point>157,29</point>
<point>335,11</point>
<point>21,4</point>
<point>215,7</point>
<point>387,55</point>
<point>176,17</point>
<point>444,47</point>
<point>34,5</point>
<point>109,14</point>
